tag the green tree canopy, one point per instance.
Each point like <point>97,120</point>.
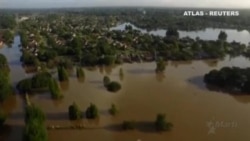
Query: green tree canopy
<point>41,80</point>
<point>24,86</point>
<point>54,89</point>
<point>79,72</point>
<point>113,110</point>
<point>4,64</point>
<point>222,36</point>
<point>160,65</point>
<point>161,124</point>
<point>8,36</point>
<point>74,112</point>
<point>231,79</point>
<point>35,131</point>
<point>107,60</point>
<point>29,59</point>
<point>5,87</point>
<point>33,112</point>
<point>92,112</point>
<point>62,74</point>
<point>172,33</point>
<point>76,43</point>
<point>7,21</point>
<point>113,86</point>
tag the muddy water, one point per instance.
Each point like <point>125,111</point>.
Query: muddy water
<point>179,93</point>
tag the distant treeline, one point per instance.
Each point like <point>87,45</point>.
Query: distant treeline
<point>152,18</point>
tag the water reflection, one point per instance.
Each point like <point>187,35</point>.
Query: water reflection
<point>14,63</point>
<point>57,116</point>
<point>92,68</point>
<point>180,63</point>
<point>92,122</point>
<point>64,85</point>
<point>197,81</point>
<point>58,102</point>
<point>101,69</point>
<point>160,77</point>
<point>141,71</point>
<point>81,80</point>
<point>211,63</point>
<point>242,98</point>
<point>9,104</point>
<point>121,77</point>
<point>141,126</point>
<point>108,69</point>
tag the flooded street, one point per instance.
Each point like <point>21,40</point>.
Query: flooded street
<point>196,113</point>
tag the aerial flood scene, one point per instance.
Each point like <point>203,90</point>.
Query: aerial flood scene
<point>124,70</point>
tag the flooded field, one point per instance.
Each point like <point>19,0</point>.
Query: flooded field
<point>196,113</point>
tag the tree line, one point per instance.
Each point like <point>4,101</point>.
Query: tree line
<point>6,89</point>
<point>34,129</point>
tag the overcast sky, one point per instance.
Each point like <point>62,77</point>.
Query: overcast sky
<point>87,3</point>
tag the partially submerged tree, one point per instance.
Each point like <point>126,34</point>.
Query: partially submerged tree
<point>106,80</point>
<point>92,112</point>
<point>62,74</point>
<point>160,65</point>
<point>34,112</point>
<point>35,131</point>
<point>121,74</point>
<point>128,125</point>
<point>79,72</point>
<point>161,124</point>
<point>113,86</point>
<point>113,110</point>
<point>74,112</point>
<point>172,33</point>
<point>222,36</point>
<point>54,89</point>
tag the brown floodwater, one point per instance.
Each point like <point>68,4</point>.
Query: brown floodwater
<point>179,93</point>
